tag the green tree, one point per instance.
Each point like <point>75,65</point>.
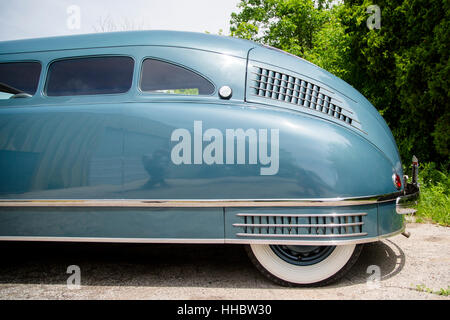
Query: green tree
<point>331,45</point>
<point>402,68</point>
<point>286,24</point>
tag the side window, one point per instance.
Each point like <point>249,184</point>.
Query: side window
<point>162,77</point>
<point>90,75</point>
<point>19,79</point>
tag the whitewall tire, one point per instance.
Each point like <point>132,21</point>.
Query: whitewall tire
<point>325,264</point>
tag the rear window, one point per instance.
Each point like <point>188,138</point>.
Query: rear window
<point>163,77</point>
<point>19,77</point>
<point>87,76</point>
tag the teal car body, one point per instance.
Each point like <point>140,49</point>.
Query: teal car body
<point>317,168</point>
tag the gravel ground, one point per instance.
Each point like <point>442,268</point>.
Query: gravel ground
<point>137,271</point>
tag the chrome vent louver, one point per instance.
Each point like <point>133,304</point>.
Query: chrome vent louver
<point>301,225</point>
<point>293,90</point>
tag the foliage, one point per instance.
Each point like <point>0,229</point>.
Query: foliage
<point>434,203</point>
<point>429,176</point>
<point>402,68</point>
<point>289,25</point>
<point>331,46</point>
<point>440,292</point>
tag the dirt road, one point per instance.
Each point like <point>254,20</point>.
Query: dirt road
<point>119,271</point>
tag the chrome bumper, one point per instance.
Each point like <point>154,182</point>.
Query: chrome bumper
<point>405,203</point>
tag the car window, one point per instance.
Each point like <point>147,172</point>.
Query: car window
<point>91,75</point>
<point>163,77</point>
<point>19,79</point>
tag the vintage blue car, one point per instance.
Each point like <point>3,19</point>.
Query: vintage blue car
<point>176,137</point>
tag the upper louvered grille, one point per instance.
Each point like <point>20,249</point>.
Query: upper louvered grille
<point>287,88</point>
<point>301,225</point>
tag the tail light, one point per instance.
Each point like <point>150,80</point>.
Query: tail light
<point>397,181</point>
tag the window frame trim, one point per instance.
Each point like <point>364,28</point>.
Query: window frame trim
<point>162,94</point>
<point>47,75</point>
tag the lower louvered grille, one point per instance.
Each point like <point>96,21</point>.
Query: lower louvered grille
<point>301,225</point>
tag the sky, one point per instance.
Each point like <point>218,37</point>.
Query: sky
<point>21,19</point>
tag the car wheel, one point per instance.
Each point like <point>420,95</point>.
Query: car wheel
<point>291,265</point>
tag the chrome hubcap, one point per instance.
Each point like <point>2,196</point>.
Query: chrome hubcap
<point>302,255</point>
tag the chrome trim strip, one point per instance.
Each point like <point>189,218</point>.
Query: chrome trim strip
<point>330,225</point>
<point>313,242</point>
<point>325,202</point>
<point>300,215</point>
<point>274,235</point>
<point>111,240</point>
<point>203,241</point>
